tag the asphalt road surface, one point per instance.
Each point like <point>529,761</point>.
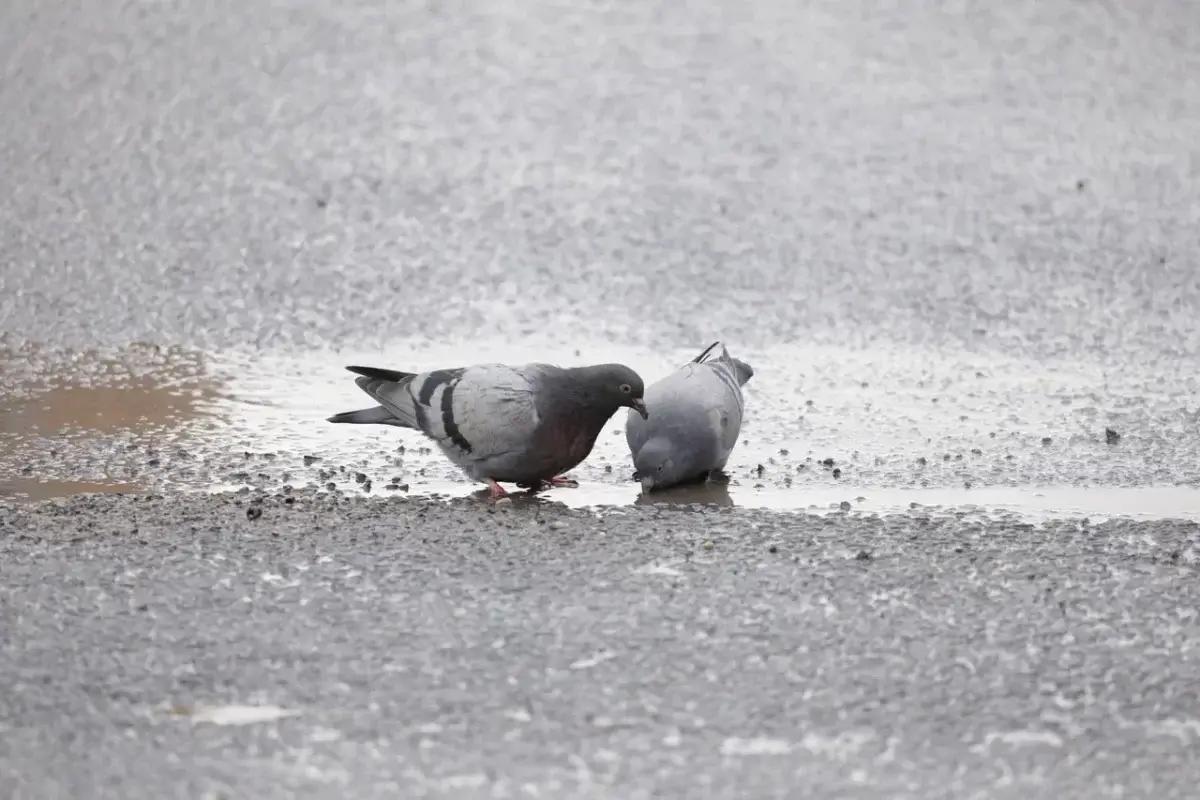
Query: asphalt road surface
<point>957,555</point>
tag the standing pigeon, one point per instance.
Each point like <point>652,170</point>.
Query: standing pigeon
<point>523,424</point>
<point>697,419</point>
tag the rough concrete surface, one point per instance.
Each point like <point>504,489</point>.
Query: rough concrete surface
<point>459,651</point>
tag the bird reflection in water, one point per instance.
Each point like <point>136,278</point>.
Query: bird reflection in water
<point>713,490</point>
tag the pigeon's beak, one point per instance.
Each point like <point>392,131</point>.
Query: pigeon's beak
<point>639,405</point>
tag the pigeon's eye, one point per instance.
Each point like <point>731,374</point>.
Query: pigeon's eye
<point>626,388</point>
<point>660,466</point>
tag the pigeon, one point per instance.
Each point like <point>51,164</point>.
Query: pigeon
<point>697,419</point>
<point>523,424</point>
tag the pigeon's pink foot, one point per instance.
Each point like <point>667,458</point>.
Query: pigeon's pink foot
<point>495,490</point>
<point>549,483</point>
<point>561,480</point>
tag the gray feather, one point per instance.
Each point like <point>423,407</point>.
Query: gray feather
<point>394,397</point>
<point>368,416</point>
<point>517,424</point>
<point>716,353</point>
<point>695,419</point>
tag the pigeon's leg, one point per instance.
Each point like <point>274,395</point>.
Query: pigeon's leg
<point>495,490</point>
<point>562,480</point>
<point>549,483</point>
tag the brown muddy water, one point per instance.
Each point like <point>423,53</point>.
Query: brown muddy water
<point>827,430</point>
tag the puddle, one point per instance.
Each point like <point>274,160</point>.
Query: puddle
<point>94,422</point>
<point>1040,503</point>
<point>32,489</point>
<point>827,429</point>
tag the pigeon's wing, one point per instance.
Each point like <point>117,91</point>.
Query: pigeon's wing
<point>473,413</point>
<point>390,389</point>
<point>723,387</point>
<point>726,419</point>
<point>479,413</point>
<point>680,406</point>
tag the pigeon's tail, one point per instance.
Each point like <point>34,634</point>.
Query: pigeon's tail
<point>743,370</point>
<point>367,416</point>
<point>390,389</point>
<point>716,353</point>
<point>712,352</point>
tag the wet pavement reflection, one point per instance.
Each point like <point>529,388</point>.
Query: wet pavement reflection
<point>826,430</point>
<point>94,422</point>
<point>711,493</point>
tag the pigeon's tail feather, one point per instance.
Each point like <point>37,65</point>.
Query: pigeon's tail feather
<point>708,353</point>
<point>743,370</point>
<point>716,353</point>
<point>367,416</point>
<point>390,389</point>
<point>394,396</point>
<point>378,373</point>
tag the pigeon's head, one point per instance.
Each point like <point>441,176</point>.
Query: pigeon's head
<point>659,463</point>
<point>617,386</point>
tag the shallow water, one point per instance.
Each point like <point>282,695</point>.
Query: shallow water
<point>827,428</point>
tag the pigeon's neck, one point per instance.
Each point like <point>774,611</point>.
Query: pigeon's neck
<point>572,414</point>
<point>581,395</point>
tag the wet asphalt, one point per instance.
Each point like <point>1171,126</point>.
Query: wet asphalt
<point>966,185</point>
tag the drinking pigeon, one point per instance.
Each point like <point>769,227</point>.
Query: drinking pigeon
<point>524,424</point>
<point>697,419</point>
